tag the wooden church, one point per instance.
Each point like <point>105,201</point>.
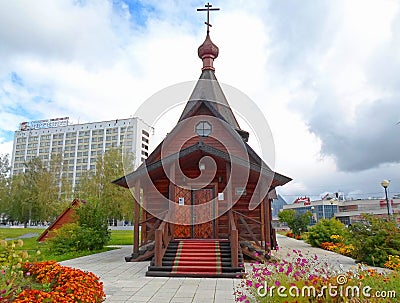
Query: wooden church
<point>203,196</point>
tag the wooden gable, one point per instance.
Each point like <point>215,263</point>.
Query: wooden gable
<point>67,216</point>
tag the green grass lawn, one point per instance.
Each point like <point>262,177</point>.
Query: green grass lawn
<point>118,237</point>
<point>121,237</point>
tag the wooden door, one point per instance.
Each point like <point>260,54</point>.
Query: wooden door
<point>204,214</point>
<point>183,216</point>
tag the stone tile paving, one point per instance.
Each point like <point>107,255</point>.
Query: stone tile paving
<point>126,282</point>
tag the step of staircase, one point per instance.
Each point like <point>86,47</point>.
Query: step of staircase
<point>197,258</point>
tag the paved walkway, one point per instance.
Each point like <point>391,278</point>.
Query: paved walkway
<point>335,261</point>
<point>126,282</point>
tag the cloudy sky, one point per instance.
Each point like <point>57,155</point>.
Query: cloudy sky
<point>326,74</point>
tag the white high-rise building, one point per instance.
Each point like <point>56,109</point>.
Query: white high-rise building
<point>79,144</point>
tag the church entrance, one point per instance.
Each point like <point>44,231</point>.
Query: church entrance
<point>202,202</point>
<point>206,198</point>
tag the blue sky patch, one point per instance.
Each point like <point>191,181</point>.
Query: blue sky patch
<point>6,136</point>
<point>138,10</point>
<point>16,79</point>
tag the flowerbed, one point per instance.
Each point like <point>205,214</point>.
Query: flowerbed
<point>24,281</point>
<point>303,278</point>
<point>61,284</point>
<point>64,284</point>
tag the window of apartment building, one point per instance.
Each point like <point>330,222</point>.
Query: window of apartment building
<point>145,140</point>
<point>70,135</point>
<point>108,131</point>
<point>21,140</point>
<point>145,146</point>
<point>143,159</point>
<point>144,153</point>
<point>108,138</point>
<point>145,133</point>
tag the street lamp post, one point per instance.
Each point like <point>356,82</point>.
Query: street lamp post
<point>385,185</point>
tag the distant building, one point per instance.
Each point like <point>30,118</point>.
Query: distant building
<point>277,206</point>
<point>347,212</point>
<point>321,209</point>
<point>79,144</point>
<point>351,211</point>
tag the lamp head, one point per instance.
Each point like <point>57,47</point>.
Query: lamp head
<point>385,183</point>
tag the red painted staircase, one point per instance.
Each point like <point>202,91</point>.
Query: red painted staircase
<point>197,258</point>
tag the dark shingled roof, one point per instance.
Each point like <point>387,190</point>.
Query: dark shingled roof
<point>208,90</point>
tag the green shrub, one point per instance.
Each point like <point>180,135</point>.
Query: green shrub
<point>297,222</point>
<point>374,240</point>
<point>324,229</point>
<point>93,221</point>
<point>66,239</point>
<point>90,232</point>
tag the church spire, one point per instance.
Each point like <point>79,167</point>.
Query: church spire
<point>208,51</point>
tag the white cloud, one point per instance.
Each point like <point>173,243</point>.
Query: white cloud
<point>316,69</point>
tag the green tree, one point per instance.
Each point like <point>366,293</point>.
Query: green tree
<point>34,194</point>
<point>4,182</point>
<point>375,239</point>
<point>96,186</point>
<point>297,222</point>
<point>89,232</point>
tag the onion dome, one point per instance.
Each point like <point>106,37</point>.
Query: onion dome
<point>208,51</point>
